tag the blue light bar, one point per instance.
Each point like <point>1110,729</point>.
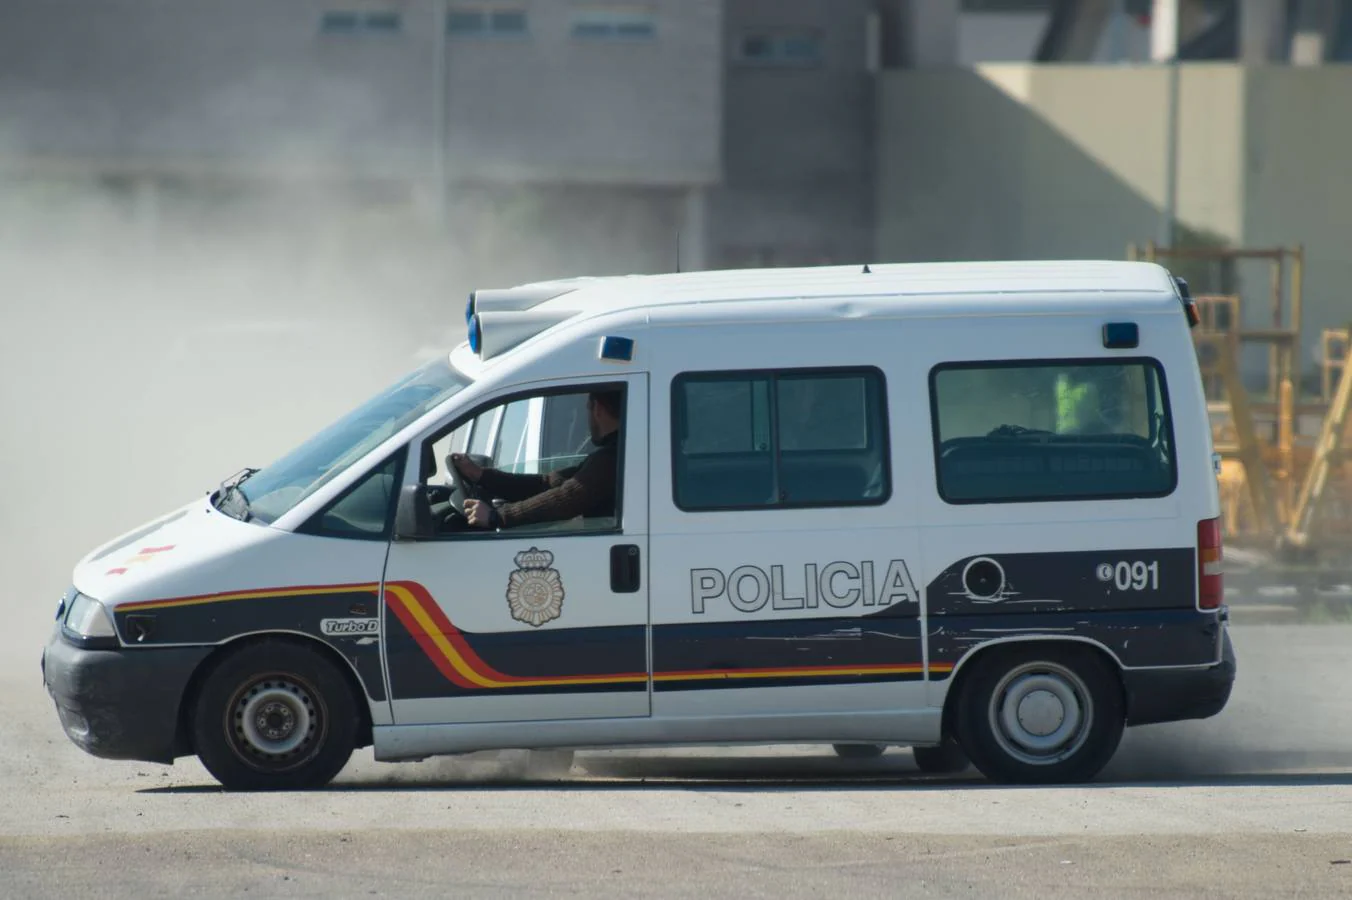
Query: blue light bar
<point>617,349</point>
<point>469,308</point>
<point>476,333</point>
<point>1121,335</point>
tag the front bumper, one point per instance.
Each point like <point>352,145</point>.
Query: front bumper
<point>121,704</point>
<point>1172,695</point>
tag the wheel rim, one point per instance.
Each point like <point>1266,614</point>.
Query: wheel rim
<point>275,723</point>
<point>1041,713</point>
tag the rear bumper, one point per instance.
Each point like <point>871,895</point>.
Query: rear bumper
<point>1172,695</point>
<point>120,704</point>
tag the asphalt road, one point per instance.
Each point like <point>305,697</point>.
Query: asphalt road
<point>1254,803</point>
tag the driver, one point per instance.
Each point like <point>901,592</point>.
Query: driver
<point>584,490</point>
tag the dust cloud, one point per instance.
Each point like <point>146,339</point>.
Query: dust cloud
<point>147,353</point>
<point>158,339</point>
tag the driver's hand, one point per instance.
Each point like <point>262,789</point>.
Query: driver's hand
<point>479,513</point>
<point>467,467</point>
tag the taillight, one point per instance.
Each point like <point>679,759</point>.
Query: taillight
<point>1189,305</point>
<point>1210,591</point>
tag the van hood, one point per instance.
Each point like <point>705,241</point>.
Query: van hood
<point>153,559</point>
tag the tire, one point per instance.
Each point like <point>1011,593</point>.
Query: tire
<point>945,759</point>
<point>859,751</point>
<point>1072,690</point>
<point>275,715</point>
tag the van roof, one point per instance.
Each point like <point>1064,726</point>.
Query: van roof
<point>957,287</point>
<point>949,278</point>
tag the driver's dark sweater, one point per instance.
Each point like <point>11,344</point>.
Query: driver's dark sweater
<point>583,490</point>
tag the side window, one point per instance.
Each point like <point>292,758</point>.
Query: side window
<point>565,436</point>
<point>1052,430</point>
<point>779,439</point>
<point>510,451</point>
<point>543,477</point>
<point>364,511</point>
<point>481,435</point>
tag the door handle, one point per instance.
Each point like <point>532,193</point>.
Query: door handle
<point>624,569</point>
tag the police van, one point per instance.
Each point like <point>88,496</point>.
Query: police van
<point>965,508</point>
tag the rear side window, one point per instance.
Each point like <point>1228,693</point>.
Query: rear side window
<point>1052,430</point>
<point>757,440</point>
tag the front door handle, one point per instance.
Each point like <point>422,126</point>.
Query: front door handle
<point>624,568</point>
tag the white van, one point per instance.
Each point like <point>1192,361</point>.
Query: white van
<point>966,508</point>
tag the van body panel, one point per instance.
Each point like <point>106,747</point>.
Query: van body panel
<point>905,727</point>
<point>759,603</point>
<point>466,639</point>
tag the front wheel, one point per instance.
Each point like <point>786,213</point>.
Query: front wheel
<point>1041,715</point>
<point>275,716</point>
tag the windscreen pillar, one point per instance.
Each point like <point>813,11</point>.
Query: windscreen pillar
<point>918,34</point>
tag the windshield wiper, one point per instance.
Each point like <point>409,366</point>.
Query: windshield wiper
<point>229,490</point>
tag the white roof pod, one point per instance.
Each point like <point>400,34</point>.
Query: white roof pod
<point>499,319</point>
<point>492,333</point>
<point>513,299</point>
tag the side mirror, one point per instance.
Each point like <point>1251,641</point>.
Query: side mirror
<point>413,518</point>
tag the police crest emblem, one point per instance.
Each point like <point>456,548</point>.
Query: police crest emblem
<point>534,590</point>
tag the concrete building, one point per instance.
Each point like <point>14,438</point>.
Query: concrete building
<point>559,137</point>
<point>740,129</point>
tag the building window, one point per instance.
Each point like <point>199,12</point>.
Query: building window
<point>1051,430</point>
<point>763,440</point>
<point>349,22</point>
<point>486,22</point>
<point>614,24</point>
<point>779,48</point>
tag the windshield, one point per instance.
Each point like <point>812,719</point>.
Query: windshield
<point>272,491</point>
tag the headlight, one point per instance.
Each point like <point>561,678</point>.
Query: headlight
<point>86,618</point>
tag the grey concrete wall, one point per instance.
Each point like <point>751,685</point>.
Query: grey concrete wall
<point>1298,180</point>
<point>199,85</point>
<point>798,143</point>
<point>1012,161</point>
<point>253,86</point>
<point>558,108</point>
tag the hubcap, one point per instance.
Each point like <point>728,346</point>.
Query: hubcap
<point>274,722</point>
<point>1041,713</point>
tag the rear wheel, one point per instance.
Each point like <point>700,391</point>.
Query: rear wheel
<point>1041,714</point>
<point>275,716</point>
<point>859,751</point>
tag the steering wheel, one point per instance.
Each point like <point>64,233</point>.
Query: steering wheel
<point>439,493</point>
<point>466,488</point>
<point>453,519</point>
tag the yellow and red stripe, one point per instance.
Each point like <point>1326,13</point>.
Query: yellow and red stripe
<point>446,646</point>
<point>256,594</point>
<point>451,653</point>
<point>455,658</point>
<point>803,672</point>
